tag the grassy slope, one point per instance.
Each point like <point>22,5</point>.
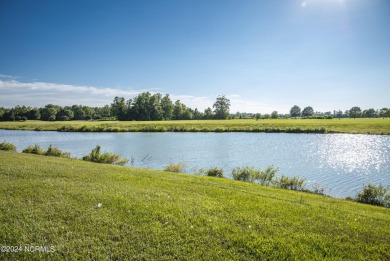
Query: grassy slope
<point>149,214</point>
<point>373,126</point>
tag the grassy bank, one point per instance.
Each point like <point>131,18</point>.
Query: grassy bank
<point>95,211</point>
<point>366,126</point>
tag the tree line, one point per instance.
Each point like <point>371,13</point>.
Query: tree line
<point>143,107</point>
<point>156,107</point>
<point>354,112</point>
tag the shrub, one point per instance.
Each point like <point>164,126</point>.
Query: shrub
<point>36,149</point>
<point>7,146</point>
<point>106,157</point>
<point>175,167</point>
<point>265,177</point>
<point>53,151</point>
<point>214,172</point>
<point>243,174</point>
<point>294,183</point>
<point>374,195</point>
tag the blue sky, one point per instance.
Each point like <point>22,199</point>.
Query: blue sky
<point>264,55</point>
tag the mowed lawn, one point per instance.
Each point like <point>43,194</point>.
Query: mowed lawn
<point>90,211</point>
<point>363,126</point>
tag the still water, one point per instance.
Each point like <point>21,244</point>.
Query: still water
<point>340,163</point>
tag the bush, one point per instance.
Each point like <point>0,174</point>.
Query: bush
<point>7,146</point>
<point>294,183</point>
<point>374,195</point>
<point>106,157</point>
<point>214,172</point>
<point>266,177</point>
<point>36,149</point>
<point>55,152</point>
<point>175,167</point>
<point>244,174</point>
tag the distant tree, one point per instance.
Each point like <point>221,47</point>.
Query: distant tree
<point>384,112</point>
<point>266,116</point>
<point>178,110</point>
<point>295,111</point>
<point>167,107</point>
<point>156,112</point>
<point>49,113</point>
<point>208,114</point>
<point>339,113</point>
<point>118,108</point>
<point>370,113</point>
<point>78,111</point>
<point>65,115</point>
<point>274,115</point>
<point>197,115</point>
<point>221,107</point>
<point>257,116</point>
<point>34,114</point>
<point>308,112</point>
<point>355,112</point>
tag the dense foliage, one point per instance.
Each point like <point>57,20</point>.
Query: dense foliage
<point>156,107</point>
<point>144,107</point>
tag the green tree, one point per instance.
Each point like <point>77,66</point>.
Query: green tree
<point>65,114</point>
<point>370,113</point>
<point>167,107</point>
<point>221,107</point>
<point>274,115</point>
<point>355,112</point>
<point>295,111</point>
<point>208,114</point>
<point>118,108</point>
<point>34,114</point>
<point>156,111</point>
<point>308,112</point>
<point>384,112</point>
<point>257,116</point>
<point>49,112</point>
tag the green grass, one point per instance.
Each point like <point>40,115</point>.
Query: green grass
<point>157,215</point>
<point>366,126</point>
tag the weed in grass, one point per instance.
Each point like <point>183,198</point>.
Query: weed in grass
<point>106,157</point>
<point>7,146</point>
<point>175,167</point>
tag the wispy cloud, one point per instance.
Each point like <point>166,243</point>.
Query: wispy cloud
<point>13,92</point>
<point>8,76</point>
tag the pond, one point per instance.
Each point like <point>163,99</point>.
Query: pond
<point>340,163</point>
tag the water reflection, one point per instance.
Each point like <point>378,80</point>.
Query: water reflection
<point>353,153</point>
<point>340,163</point>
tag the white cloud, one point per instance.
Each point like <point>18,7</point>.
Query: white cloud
<point>38,94</point>
<point>14,92</point>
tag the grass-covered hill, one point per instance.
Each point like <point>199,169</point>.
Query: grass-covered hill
<point>89,211</point>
